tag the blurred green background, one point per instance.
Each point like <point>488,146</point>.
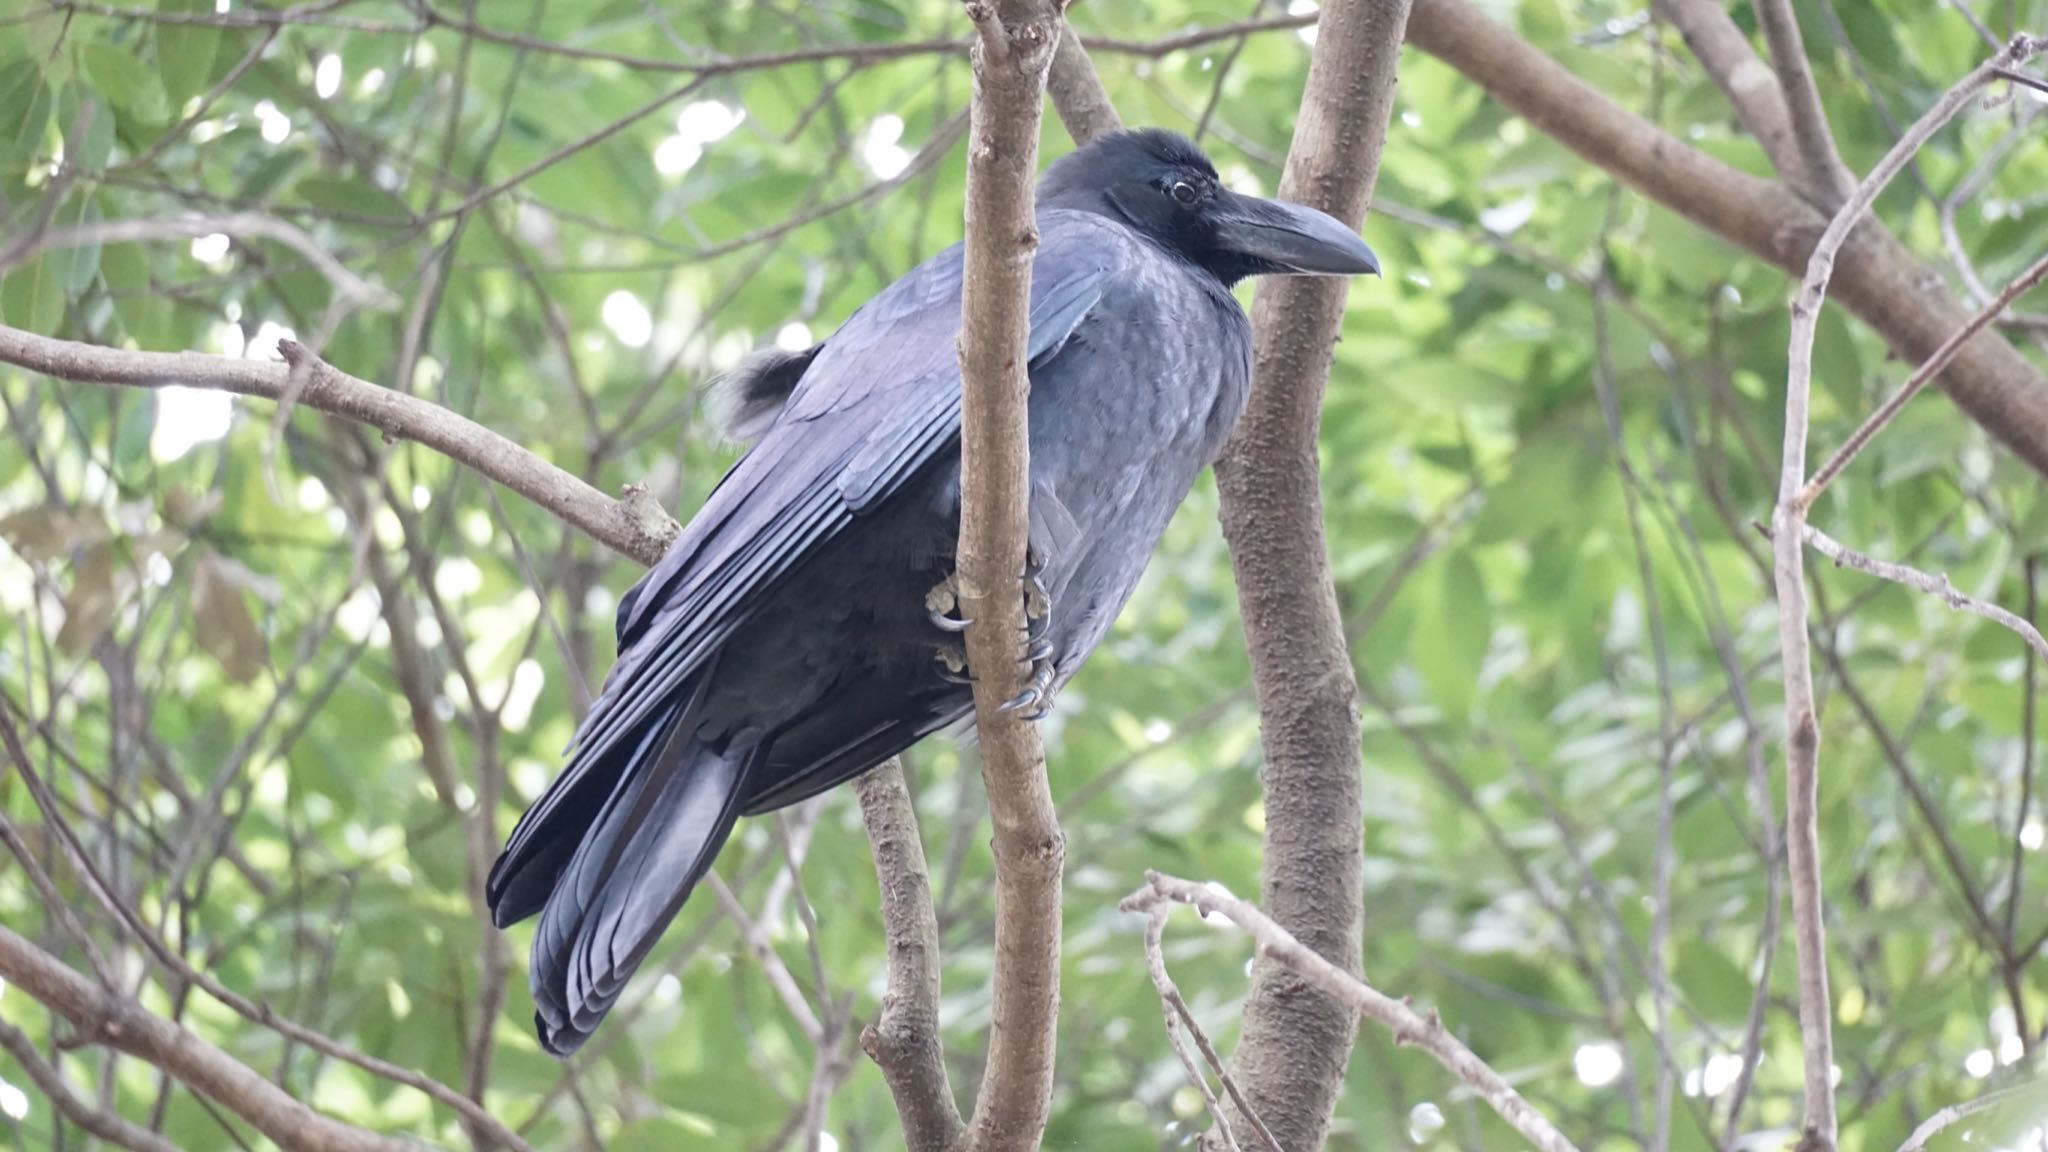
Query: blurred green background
<point>1549,431</point>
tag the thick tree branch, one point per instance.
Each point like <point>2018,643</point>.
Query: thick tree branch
<point>634,527</point>
<point>1876,278</point>
<point>1748,83</point>
<point>1017,39</point>
<point>104,1017</point>
<point>1295,1044</point>
<point>1277,946</point>
<point>905,1041</point>
<point>1077,92</point>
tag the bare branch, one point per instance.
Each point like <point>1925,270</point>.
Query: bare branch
<point>108,1018</point>
<point>1918,381</point>
<point>1880,281</point>
<point>1016,46</point>
<point>1788,528</point>
<point>1821,176</point>
<point>104,1125</point>
<point>1295,1045</point>
<point>905,1041</point>
<point>1077,92</point>
<point>349,288</point>
<point>1942,1118</point>
<point>1426,1032</point>
<point>1935,586</point>
<point>1748,83</point>
<point>634,526</point>
<point>1178,1015</point>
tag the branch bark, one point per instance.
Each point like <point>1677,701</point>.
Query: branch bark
<point>104,1125</point>
<point>1741,75</point>
<point>1015,46</point>
<point>905,1041</point>
<point>1077,92</point>
<point>634,526</point>
<point>1296,1038</point>
<point>1876,278</point>
<point>1821,176</point>
<point>1277,946</point>
<point>104,1017</point>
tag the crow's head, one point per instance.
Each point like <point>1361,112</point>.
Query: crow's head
<point>1161,184</point>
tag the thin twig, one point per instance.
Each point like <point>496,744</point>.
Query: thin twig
<point>1921,377</point>
<point>1424,1031</point>
<point>1788,526</point>
<point>1937,586</point>
<point>1178,1015</point>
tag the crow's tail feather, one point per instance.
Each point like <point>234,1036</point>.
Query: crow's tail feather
<point>608,870</point>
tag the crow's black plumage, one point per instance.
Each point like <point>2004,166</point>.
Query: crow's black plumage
<point>785,644</point>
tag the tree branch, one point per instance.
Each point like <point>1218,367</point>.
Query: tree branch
<point>1935,586</point>
<point>1878,279</point>
<point>1017,39</point>
<point>1820,176</point>
<point>1748,83</point>
<point>1917,382</point>
<point>1427,1032</point>
<point>349,288</point>
<point>1295,1044</point>
<point>104,1125</point>
<point>104,1017</point>
<point>905,1041</point>
<point>1077,92</point>
<point>1788,530</point>
<point>634,526</point>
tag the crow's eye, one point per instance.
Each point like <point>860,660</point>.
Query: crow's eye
<point>1184,192</point>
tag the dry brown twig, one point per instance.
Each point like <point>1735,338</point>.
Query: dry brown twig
<point>1178,1014</point>
<point>1788,529</point>
<point>1423,1031</point>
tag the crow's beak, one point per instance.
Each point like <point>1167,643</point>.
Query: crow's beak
<point>1295,238</point>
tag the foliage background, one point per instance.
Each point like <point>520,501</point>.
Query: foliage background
<point>1549,431</point>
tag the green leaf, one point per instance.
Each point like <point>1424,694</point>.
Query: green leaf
<point>25,103</point>
<point>185,52</point>
<point>32,296</point>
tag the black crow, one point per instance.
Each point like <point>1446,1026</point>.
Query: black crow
<point>801,630</point>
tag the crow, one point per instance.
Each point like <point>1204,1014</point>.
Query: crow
<point>802,629</point>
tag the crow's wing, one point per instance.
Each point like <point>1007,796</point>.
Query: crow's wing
<point>879,402</point>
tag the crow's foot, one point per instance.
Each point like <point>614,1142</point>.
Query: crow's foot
<point>943,609</point>
<point>1037,600</point>
<point>942,606</point>
<point>951,661</point>
<point>1035,701</point>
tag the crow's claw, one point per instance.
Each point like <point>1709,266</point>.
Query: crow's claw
<point>1037,598</point>
<point>1021,700</point>
<point>942,605</point>
<point>1040,650</point>
<point>1035,701</point>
